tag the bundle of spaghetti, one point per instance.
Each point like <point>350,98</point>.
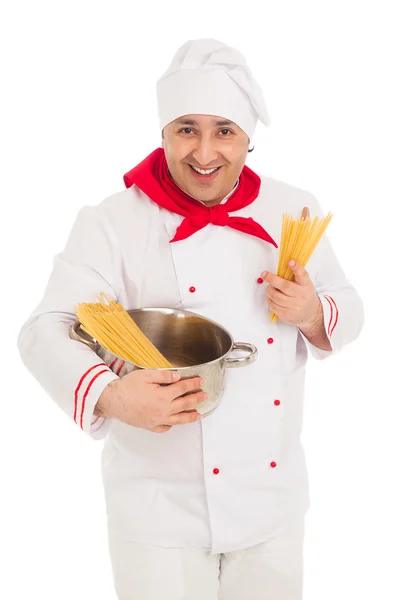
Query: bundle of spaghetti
<point>299,238</point>
<point>112,327</point>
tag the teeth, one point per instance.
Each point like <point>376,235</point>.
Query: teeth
<point>203,172</point>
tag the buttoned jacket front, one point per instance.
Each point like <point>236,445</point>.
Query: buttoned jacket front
<point>239,475</point>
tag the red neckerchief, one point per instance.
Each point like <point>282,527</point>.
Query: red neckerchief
<point>153,178</point>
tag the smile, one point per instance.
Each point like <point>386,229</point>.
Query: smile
<point>204,171</point>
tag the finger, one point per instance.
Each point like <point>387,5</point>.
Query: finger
<point>301,276</point>
<point>159,376</point>
<point>287,287</point>
<point>278,297</point>
<point>278,310</point>
<point>305,214</point>
<point>184,386</point>
<point>187,403</point>
<point>274,306</point>
<point>184,417</point>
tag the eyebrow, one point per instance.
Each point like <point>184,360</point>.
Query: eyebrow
<point>192,122</point>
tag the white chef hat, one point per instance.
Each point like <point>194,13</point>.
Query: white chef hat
<point>210,78</point>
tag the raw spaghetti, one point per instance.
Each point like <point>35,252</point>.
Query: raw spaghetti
<point>112,327</point>
<point>299,239</point>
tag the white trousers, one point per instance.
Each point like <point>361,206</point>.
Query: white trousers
<point>272,570</point>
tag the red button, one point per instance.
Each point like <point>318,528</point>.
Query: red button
<point>192,289</point>
<point>260,280</point>
<point>277,402</point>
<point>270,340</point>
<point>273,465</point>
<point>216,471</point>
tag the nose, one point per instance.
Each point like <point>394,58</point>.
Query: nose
<point>205,152</point>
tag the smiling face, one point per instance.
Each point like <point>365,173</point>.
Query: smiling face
<point>216,146</point>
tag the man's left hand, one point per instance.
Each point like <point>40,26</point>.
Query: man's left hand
<point>294,302</point>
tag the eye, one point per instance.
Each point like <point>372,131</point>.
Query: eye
<point>225,132</point>
<point>186,130</point>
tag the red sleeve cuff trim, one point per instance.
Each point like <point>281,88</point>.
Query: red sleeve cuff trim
<point>120,367</point>
<point>106,370</point>
<point>88,390</point>
<point>78,387</point>
<point>334,314</point>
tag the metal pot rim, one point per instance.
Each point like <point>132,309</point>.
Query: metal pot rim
<point>168,310</point>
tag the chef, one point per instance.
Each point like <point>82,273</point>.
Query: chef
<point>198,508</point>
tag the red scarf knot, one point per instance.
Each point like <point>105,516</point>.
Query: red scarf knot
<point>218,215</point>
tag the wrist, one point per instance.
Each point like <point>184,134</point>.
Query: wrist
<point>104,405</point>
<point>314,322</point>
<point>315,332</point>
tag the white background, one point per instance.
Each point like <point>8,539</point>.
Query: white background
<point>78,111</point>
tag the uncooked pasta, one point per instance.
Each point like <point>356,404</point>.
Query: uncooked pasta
<point>299,238</point>
<point>112,327</point>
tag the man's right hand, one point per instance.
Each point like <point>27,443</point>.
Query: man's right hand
<point>151,399</point>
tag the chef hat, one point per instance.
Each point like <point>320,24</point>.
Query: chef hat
<point>209,78</point>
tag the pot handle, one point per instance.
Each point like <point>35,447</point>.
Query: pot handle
<point>82,336</point>
<point>242,361</point>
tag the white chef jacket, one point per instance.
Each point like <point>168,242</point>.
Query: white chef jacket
<point>239,475</point>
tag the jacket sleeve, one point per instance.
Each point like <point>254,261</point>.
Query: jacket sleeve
<point>342,306</point>
<point>69,371</point>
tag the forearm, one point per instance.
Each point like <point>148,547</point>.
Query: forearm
<point>105,406</point>
<point>315,331</point>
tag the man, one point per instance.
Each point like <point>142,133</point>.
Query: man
<point>212,508</point>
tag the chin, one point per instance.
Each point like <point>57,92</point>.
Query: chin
<point>195,190</point>
<point>203,197</point>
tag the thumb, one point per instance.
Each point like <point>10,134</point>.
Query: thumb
<point>300,274</point>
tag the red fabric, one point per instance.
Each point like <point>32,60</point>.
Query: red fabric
<point>334,309</point>
<point>78,387</point>
<point>153,178</point>
<point>88,390</point>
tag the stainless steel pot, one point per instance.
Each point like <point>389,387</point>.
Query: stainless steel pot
<point>194,345</point>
